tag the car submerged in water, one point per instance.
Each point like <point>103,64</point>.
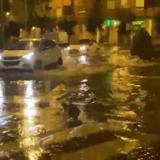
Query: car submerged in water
<point>31,54</point>
<point>84,46</point>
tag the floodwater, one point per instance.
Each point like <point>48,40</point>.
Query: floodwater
<point>109,115</point>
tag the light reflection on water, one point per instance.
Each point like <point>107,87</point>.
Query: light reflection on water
<point>115,98</point>
<point>129,98</point>
<point>83,59</point>
<point>3,121</point>
<point>28,139</point>
<point>29,89</point>
<point>2,89</point>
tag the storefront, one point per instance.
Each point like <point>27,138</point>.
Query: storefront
<point>109,31</point>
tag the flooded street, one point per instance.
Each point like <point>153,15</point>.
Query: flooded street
<point>100,113</point>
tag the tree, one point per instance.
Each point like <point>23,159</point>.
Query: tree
<point>28,10</point>
<point>124,16</point>
<point>67,25</point>
<point>17,11</point>
<point>96,17</point>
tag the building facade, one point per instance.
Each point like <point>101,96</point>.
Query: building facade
<point>141,8</point>
<point>143,11</point>
<point>80,9</point>
<point>77,9</point>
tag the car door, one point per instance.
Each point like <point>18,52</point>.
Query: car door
<point>49,52</point>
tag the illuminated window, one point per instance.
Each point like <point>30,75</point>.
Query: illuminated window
<point>67,2</point>
<point>139,3</point>
<point>61,3</point>
<point>124,3</point>
<point>111,4</point>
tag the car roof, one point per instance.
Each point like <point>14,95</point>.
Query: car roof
<point>36,40</point>
<point>29,39</point>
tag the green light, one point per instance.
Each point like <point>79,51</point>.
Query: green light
<point>140,22</point>
<point>108,22</point>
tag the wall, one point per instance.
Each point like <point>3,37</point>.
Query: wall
<point>81,8</point>
<point>58,7</point>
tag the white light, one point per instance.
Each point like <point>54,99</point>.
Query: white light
<point>68,48</point>
<point>8,13</point>
<point>2,110</point>
<point>116,23</point>
<point>28,56</point>
<point>4,120</point>
<point>83,48</point>
<point>2,85</point>
<point>30,101</point>
<point>1,57</point>
<point>84,81</point>
<point>33,28</point>
<point>29,90</point>
<point>83,59</point>
<point>30,113</point>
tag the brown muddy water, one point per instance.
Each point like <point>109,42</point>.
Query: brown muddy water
<point>113,115</point>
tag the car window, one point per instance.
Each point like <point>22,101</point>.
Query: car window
<point>85,41</point>
<point>33,44</point>
<point>18,46</point>
<point>47,44</point>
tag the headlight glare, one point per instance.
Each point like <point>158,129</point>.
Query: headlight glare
<point>68,48</point>
<point>83,48</point>
<point>28,56</point>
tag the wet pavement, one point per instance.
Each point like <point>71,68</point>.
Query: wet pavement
<point>87,109</point>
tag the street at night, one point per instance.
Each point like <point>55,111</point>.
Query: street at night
<point>79,80</point>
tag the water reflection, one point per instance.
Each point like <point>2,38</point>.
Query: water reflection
<point>29,89</point>
<point>83,59</point>
<point>2,89</point>
<point>128,97</point>
<point>3,120</point>
<point>30,110</point>
<point>29,138</point>
<point>115,99</point>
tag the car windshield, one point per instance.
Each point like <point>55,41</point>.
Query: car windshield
<point>24,45</point>
<point>85,41</point>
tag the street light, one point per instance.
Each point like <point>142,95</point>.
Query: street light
<point>8,13</point>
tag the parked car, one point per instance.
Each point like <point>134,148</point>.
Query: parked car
<point>84,46</point>
<point>31,54</point>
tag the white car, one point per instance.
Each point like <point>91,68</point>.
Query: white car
<point>31,54</point>
<point>84,46</point>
